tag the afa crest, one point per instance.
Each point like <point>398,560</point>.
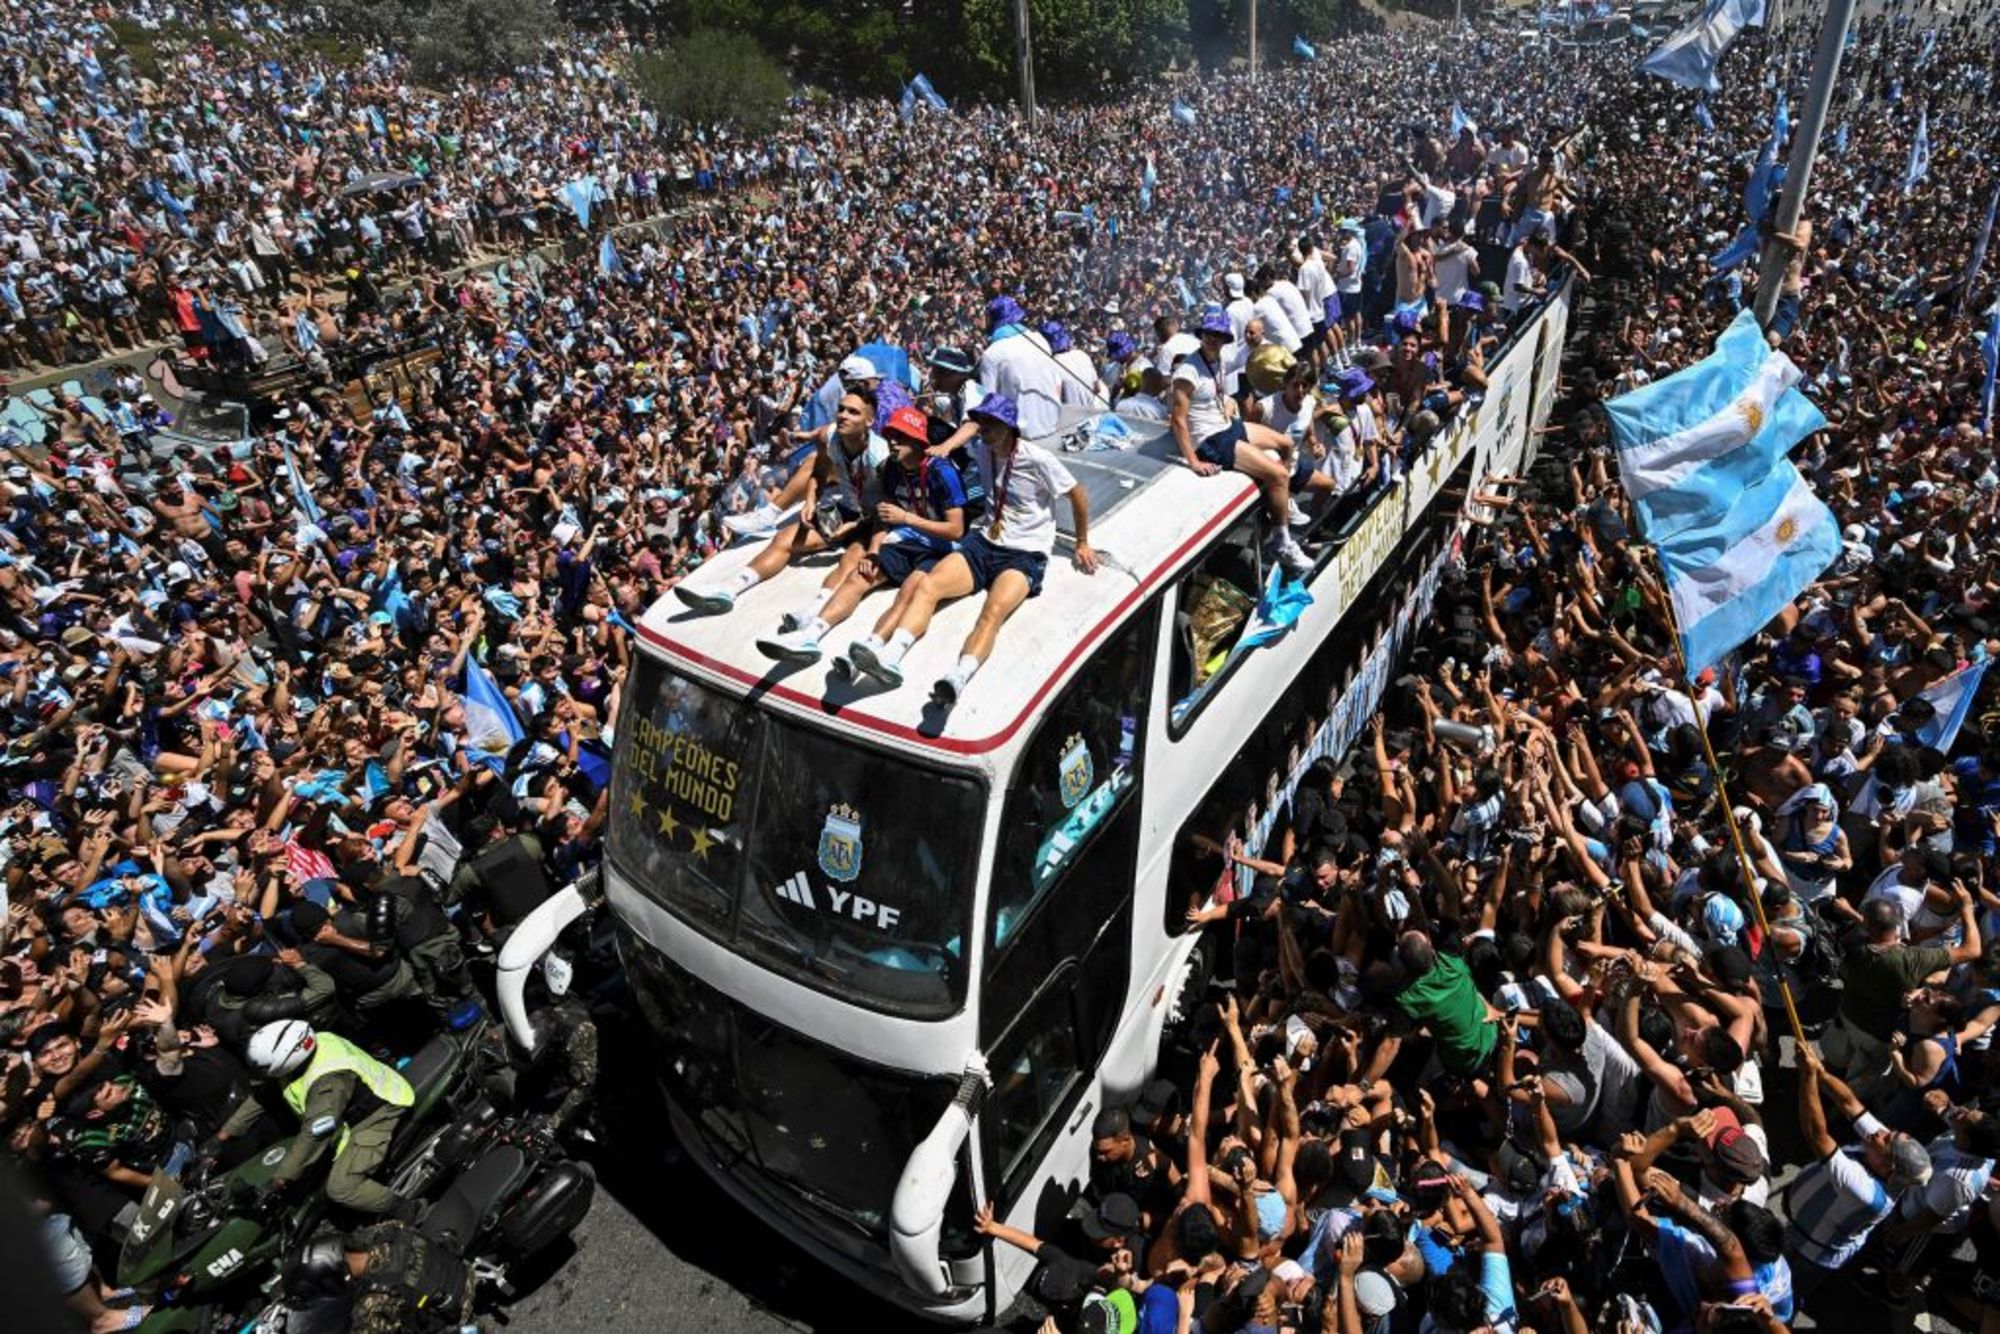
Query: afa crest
<point>1077,773</point>
<point>840,844</point>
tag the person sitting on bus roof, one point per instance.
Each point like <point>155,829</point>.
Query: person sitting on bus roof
<point>1006,559</point>
<point>1290,410</point>
<point>1212,437</point>
<point>842,489</point>
<point>856,372</point>
<point>918,522</point>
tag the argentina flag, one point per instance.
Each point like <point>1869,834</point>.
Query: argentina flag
<point>1702,454</point>
<point>1689,56</point>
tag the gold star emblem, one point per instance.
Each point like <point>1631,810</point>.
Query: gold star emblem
<point>1752,415</point>
<point>1437,459</point>
<point>1788,528</point>
<point>638,804</point>
<point>702,843</point>
<point>668,824</point>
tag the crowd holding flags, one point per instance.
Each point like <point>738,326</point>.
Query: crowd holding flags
<point>1738,531</point>
<point>1920,153</point>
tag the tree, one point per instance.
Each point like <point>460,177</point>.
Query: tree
<point>1081,46</point>
<point>451,37</point>
<point>712,77</point>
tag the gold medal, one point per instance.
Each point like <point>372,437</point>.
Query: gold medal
<point>993,531</point>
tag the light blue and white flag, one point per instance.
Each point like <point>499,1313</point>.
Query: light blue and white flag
<point>1731,580</point>
<point>1689,56</point>
<point>1460,122</point>
<point>1769,172</point>
<point>906,105</point>
<point>609,262</point>
<point>1690,444</point>
<point>1920,153</point>
<point>929,96</point>
<point>1952,698</point>
<point>1978,259</point>
<point>302,496</point>
<point>1930,45</point>
<point>1183,112</point>
<point>490,723</point>
<point>1989,351</point>
<point>1148,178</point>
<point>1840,139</point>
<point>1702,453</point>
<point>581,195</point>
<point>1304,49</point>
<point>1703,117</point>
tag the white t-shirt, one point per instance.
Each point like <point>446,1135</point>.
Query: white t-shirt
<point>1080,386</point>
<point>1180,345</point>
<point>1023,490</point>
<point>1278,324</point>
<point>1206,415</point>
<point>1316,284</point>
<point>1022,367</point>
<point>1298,314</point>
<point>1509,157</point>
<point>1958,1182</point>
<point>1453,266</point>
<point>1290,421</point>
<point>1889,885</point>
<point>1520,280</point>
<point>1353,257</point>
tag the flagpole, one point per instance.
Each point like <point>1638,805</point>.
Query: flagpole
<point>1805,150</point>
<point>1253,41</point>
<point>1743,863</point>
<point>1024,54</point>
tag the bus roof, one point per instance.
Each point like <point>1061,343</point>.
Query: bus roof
<point>1148,516</point>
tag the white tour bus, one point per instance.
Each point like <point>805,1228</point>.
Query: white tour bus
<point>898,961</point>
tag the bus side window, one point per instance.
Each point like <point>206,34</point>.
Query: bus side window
<point>1038,1067</point>
<point>1082,767</point>
<point>1213,605</point>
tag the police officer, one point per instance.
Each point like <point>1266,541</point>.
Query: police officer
<point>404,914</point>
<point>387,1278</point>
<point>239,995</point>
<point>342,1097</point>
<point>504,879</point>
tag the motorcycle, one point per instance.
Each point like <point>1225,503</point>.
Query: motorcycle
<point>202,1239</point>
<point>519,1197</point>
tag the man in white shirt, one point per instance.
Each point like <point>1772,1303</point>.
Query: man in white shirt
<point>1004,558</point>
<point>1019,364</point>
<point>1316,283</point>
<point>1349,272</point>
<point>1080,385</point>
<point>1455,263</point>
<point>1297,313</point>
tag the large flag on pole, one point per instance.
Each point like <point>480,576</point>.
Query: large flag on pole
<point>1702,453</point>
<point>1920,153</point>
<point>1304,49</point>
<point>1989,351</point>
<point>1689,57</point>
<point>928,95</point>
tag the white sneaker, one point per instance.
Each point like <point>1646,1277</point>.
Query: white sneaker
<point>796,646</point>
<point>712,603</point>
<point>1296,517</point>
<point>754,523</point>
<point>865,657</point>
<point>1293,557</point>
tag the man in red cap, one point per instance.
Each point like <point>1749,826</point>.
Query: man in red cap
<point>918,522</point>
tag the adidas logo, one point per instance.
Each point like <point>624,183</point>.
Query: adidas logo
<point>798,890</point>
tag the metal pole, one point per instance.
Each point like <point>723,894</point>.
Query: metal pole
<point>1024,51</point>
<point>1805,149</point>
<point>1253,41</point>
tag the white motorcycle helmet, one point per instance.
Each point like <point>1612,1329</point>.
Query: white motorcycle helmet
<point>282,1048</point>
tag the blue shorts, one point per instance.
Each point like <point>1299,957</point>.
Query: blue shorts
<point>988,562</point>
<point>1220,448</point>
<point>1313,341</point>
<point>899,560</point>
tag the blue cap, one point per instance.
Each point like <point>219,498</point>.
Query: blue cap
<point>1356,384</point>
<point>1469,300</point>
<point>1120,345</point>
<point>1406,321</point>
<point>1004,310</point>
<point>1059,339</point>
<point>1215,322</point>
<point>998,409</point>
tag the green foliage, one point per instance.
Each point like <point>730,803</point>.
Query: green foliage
<point>451,37</point>
<point>1081,46</point>
<point>713,77</point>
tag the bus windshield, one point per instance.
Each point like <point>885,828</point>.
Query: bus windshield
<point>846,869</point>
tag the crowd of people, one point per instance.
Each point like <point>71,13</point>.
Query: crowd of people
<point>1504,1011</point>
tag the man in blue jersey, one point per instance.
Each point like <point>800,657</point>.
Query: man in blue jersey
<point>1837,1201</point>
<point>918,522</point>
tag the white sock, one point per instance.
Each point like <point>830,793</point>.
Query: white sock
<point>967,666</point>
<point>742,581</point>
<point>814,627</point>
<point>820,599</point>
<point>899,644</point>
<point>870,641</point>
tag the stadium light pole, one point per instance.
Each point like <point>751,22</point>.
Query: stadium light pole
<point>1805,150</point>
<point>1024,54</point>
<point>1253,41</point>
